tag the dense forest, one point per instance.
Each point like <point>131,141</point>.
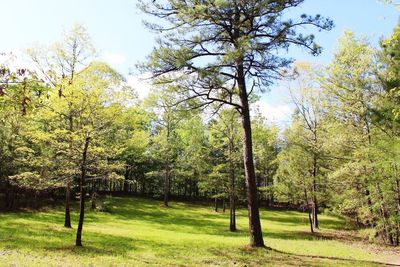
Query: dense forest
<point>72,129</point>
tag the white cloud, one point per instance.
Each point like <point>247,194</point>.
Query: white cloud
<point>114,58</point>
<point>141,83</point>
<point>279,114</point>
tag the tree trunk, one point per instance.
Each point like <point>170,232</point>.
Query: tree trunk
<point>9,205</point>
<point>185,189</point>
<point>232,206</point>
<point>126,181</point>
<point>143,189</point>
<point>397,186</point>
<point>67,222</point>
<point>309,210</point>
<point>385,216</point>
<point>314,213</point>
<point>256,237</point>
<point>166,185</point>
<point>315,201</point>
<point>82,192</point>
<point>223,205</point>
<point>258,183</point>
<point>397,237</point>
<point>93,199</point>
<point>311,220</point>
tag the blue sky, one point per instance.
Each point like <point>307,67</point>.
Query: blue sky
<point>117,31</point>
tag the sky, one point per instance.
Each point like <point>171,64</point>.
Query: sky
<point>118,33</point>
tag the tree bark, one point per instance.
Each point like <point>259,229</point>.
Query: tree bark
<point>232,204</point>
<point>315,213</point>
<point>397,186</point>
<point>256,237</point>
<point>126,181</point>
<point>309,210</point>
<point>93,199</point>
<point>82,192</point>
<point>314,185</point>
<point>385,216</point>
<point>166,185</point>
<point>67,221</point>
<point>311,220</point>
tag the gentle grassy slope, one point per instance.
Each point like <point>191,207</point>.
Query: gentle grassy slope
<point>142,232</point>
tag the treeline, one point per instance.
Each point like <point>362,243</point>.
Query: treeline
<point>72,127</point>
<point>342,149</point>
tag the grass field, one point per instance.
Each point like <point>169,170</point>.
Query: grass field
<point>141,232</point>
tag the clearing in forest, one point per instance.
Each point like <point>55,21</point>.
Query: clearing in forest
<point>141,232</point>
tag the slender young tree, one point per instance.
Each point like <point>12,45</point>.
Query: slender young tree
<point>227,125</point>
<point>59,64</point>
<point>309,102</point>
<point>220,52</point>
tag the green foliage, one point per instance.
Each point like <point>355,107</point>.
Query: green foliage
<point>266,149</point>
<point>346,129</point>
<point>225,155</point>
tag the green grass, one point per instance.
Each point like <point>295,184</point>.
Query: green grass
<point>141,232</point>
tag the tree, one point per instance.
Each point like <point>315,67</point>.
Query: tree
<point>85,153</point>
<point>390,60</point>
<point>130,134</point>
<point>97,114</point>
<point>166,140</point>
<point>305,157</point>
<point>192,161</point>
<point>352,89</point>
<point>294,180</point>
<point>225,141</point>
<point>215,50</point>
<point>311,111</point>
<point>384,152</point>
<point>20,95</point>
<point>266,149</point>
<point>58,65</point>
